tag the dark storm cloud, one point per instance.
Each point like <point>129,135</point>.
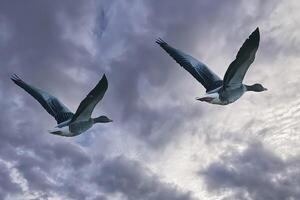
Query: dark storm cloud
<point>40,51</point>
<point>34,44</point>
<point>134,182</point>
<point>64,169</point>
<point>256,172</point>
<point>188,25</point>
<point>144,60</point>
<point>35,48</point>
<point>41,162</point>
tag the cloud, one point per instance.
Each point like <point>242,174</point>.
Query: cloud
<point>64,47</point>
<point>133,181</point>
<point>255,173</point>
<point>44,167</point>
<point>7,185</point>
<point>142,65</point>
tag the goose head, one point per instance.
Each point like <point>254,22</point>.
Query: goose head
<point>257,87</point>
<point>102,119</point>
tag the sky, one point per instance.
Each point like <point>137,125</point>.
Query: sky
<point>162,144</point>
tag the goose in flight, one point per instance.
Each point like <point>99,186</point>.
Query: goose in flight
<point>68,123</point>
<point>220,91</point>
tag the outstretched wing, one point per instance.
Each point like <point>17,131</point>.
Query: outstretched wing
<point>197,69</point>
<point>87,105</point>
<point>52,105</point>
<point>237,69</point>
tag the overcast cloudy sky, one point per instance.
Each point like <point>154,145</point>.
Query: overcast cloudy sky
<point>163,144</point>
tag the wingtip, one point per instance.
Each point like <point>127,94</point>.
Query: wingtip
<point>160,41</point>
<point>255,35</point>
<point>256,31</point>
<point>14,77</point>
<point>104,79</point>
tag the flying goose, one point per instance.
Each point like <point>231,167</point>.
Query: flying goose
<point>220,91</point>
<point>68,123</point>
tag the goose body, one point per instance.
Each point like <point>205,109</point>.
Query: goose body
<point>69,124</point>
<point>223,97</point>
<point>72,129</point>
<point>218,91</point>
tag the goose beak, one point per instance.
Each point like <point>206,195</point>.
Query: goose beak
<point>265,89</point>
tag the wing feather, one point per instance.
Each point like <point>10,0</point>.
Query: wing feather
<point>50,103</point>
<point>237,69</point>
<point>87,105</point>
<point>196,68</point>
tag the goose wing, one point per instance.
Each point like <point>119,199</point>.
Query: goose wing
<point>196,68</point>
<point>87,105</point>
<point>51,104</point>
<point>237,69</point>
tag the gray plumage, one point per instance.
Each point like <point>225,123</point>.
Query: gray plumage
<point>75,123</point>
<point>51,104</point>
<point>196,68</point>
<point>229,89</point>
